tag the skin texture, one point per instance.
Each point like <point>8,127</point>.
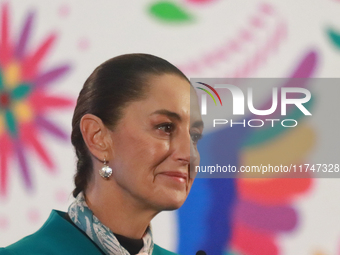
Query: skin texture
<point>150,151</point>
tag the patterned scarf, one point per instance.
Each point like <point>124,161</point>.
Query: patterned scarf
<point>83,217</point>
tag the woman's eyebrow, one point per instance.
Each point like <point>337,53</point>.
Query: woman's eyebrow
<point>168,113</point>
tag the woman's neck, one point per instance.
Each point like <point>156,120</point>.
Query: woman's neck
<point>118,210</point>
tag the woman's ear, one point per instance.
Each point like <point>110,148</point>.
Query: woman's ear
<point>96,136</point>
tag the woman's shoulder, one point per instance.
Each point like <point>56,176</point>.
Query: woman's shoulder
<point>157,250</point>
<point>56,236</point>
<point>4,251</point>
<point>34,241</point>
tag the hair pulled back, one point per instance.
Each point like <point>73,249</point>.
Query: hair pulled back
<point>105,93</point>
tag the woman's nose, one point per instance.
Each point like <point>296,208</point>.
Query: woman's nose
<point>194,160</point>
<point>183,145</point>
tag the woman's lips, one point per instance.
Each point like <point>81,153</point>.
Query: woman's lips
<point>177,176</point>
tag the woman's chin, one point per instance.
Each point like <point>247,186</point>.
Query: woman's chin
<point>173,201</point>
<point>170,206</point>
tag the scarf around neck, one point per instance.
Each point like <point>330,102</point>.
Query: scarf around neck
<point>82,216</point>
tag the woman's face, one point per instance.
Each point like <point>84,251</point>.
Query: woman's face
<point>155,144</point>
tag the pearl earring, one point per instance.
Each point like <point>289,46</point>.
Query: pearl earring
<point>105,171</point>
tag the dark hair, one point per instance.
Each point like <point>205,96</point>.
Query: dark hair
<point>109,89</point>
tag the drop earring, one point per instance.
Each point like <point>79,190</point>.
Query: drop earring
<point>105,171</point>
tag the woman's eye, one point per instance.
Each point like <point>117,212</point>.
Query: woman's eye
<point>196,137</point>
<point>166,127</point>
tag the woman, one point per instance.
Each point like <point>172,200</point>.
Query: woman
<point>135,131</point>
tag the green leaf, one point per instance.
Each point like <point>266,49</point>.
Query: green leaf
<point>1,82</point>
<point>20,92</point>
<point>334,36</point>
<point>170,12</point>
<point>11,123</point>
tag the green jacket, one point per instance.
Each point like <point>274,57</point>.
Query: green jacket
<point>59,237</point>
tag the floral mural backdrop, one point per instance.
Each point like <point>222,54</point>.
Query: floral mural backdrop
<point>47,50</point>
